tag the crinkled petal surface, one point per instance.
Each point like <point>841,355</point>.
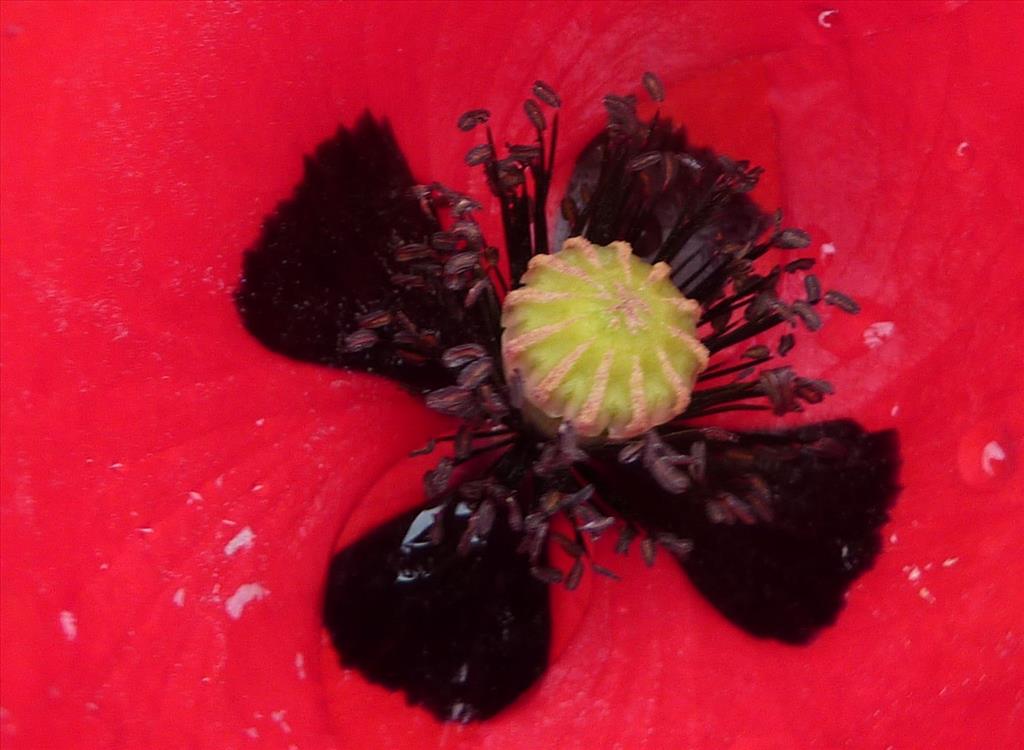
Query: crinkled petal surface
<point>172,490</point>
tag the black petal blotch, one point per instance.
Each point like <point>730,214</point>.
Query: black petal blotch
<point>788,578</point>
<point>325,259</point>
<point>463,634</point>
<point>829,487</point>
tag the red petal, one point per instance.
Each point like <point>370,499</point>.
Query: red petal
<point>141,146</point>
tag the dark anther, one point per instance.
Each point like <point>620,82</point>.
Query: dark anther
<point>413,251</point>
<point>626,536</point>
<point>476,291</point>
<point>435,481</point>
<point>568,442</point>
<point>648,551</point>
<point>678,547</point>
<point>461,262</point>
<point>575,575</point>
<point>463,447</point>
<point>461,355</point>
<point>546,574</point>
<point>653,85</point>
<point>668,477</point>
<point>360,340</point>
<point>525,153</point>
<point>813,287</point>
<point>479,155</point>
<point>761,305</point>
<point>472,118</point>
<point>476,372</point>
<point>777,385</point>
<point>444,241</point>
<point>791,239</point>
<point>697,465</point>
<point>492,401</point>
<point>800,264</point>
<point>603,571</point>
<point>426,449</point>
<point>571,548</point>
<point>516,394</point>
<point>807,314</point>
<point>374,319</point>
<point>840,300</point>
<point>546,94</point>
<point>513,514</point>
<point>535,114</point>
<point>452,401</point>
<point>643,161</point>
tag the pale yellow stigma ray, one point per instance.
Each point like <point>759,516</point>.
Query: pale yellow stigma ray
<point>559,371</point>
<point>587,419</point>
<point>696,348</point>
<point>674,379</point>
<point>640,415</point>
<point>535,295</point>
<point>524,341</point>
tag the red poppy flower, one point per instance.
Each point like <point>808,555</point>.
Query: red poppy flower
<point>172,490</point>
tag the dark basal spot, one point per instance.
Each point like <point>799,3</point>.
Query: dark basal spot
<point>784,523</point>
<point>464,635</point>
<point>323,271</point>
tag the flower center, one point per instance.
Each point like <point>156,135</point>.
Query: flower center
<point>603,339</point>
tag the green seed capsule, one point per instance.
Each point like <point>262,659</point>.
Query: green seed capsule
<point>603,339</point>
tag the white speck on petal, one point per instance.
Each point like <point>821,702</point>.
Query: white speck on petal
<point>241,540</point>
<point>949,562</point>
<point>895,410</point>
<point>246,593</point>
<point>961,150</point>
<point>914,574</point>
<point>258,487</point>
<point>194,497</point>
<point>925,594</point>
<point>893,538</point>
<point>992,451</point>
<point>116,466</point>
<point>253,732</point>
<point>828,248</point>
<point>876,333</point>
<point>69,624</point>
<point>260,422</point>
<point>823,18</point>
<point>179,598</point>
<point>300,665</point>
<point>278,718</point>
